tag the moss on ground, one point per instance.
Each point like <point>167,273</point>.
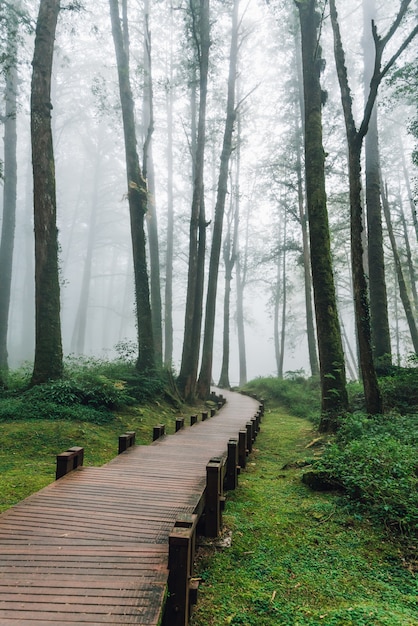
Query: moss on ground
<point>299,558</point>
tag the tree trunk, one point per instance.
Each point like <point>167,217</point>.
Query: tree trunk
<point>48,344</point>
<point>205,376</point>
<point>403,292</point>
<point>137,198</point>
<point>408,252</point>
<point>408,189</point>
<point>9,188</point>
<point>80,324</point>
<point>304,220</point>
<point>361,302</point>
<point>241,265</point>
<point>229,261</point>
<point>280,301</point>
<point>168,300</point>
<point>355,140</point>
<point>149,176</point>
<point>193,316</point>
<point>380,333</point>
<point>331,357</point>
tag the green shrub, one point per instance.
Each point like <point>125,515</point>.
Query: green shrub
<point>299,395</point>
<point>378,469</point>
<point>13,409</point>
<point>400,389</point>
<point>90,389</point>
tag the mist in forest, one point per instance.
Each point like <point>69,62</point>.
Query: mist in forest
<point>265,199</point>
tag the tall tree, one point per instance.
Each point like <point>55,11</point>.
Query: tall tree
<point>205,375</point>
<point>379,317</point>
<point>303,217</point>
<point>137,198</point>
<point>229,257</point>
<point>169,254</point>
<point>331,357</point>
<point>403,291</point>
<point>149,175</point>
<point>48,362</point>
<point>197,234</point>
<point>80,324</point>
<point>10,183</point>
<point>355,139</point>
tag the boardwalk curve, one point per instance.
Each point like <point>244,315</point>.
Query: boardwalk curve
<point>93,547</point>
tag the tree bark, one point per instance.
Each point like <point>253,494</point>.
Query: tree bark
<point>80,324</point>
<point>408,253</point>
<point>331,357</point>
<point>197,237</point>
<point>304,221</point>
<point>9,188</point>
<point>241,266</point>
<point>168,299</point>
<point>361,301</point>
<point>137,198</point>
<point>48,362</point>
<point>149,176</point>
<point>229,262</point>
<point>380,333</point>
<point>205,375</point>
<point>403,292</point>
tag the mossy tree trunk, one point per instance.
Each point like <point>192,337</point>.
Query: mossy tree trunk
<point>48,362</point>
<point>331,357</point>
<point>137,198</point>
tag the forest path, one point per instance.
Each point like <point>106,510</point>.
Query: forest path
<point>92,547</point>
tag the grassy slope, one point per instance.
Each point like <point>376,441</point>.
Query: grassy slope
<point>28,448</point>
<point>297,558</point>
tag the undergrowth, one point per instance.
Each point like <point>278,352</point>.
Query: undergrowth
<point>90,390</point>
<point>373,458</point>
<point>299,395</point>
<point>297,557</point>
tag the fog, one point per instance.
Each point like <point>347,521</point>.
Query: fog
<point>93,218</point>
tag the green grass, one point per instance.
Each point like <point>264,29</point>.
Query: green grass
<point>299,558</point>
<point>28,448</point>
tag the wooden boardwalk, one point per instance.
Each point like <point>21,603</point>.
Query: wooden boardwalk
<point>92,548</point>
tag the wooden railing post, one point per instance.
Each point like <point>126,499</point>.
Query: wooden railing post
<point>179,423</point>
<point>127,440</point>
<point>214,494</point>
<point>255,429</point>
<point>249,426</point>
<point>68,461</point>
<point>204,416</point>
<point>158,431</point>
<point>182,593</point>
<point>242,448</point>
<point>193,420</point>
<point>231,479</point>
<point>212,412</point>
